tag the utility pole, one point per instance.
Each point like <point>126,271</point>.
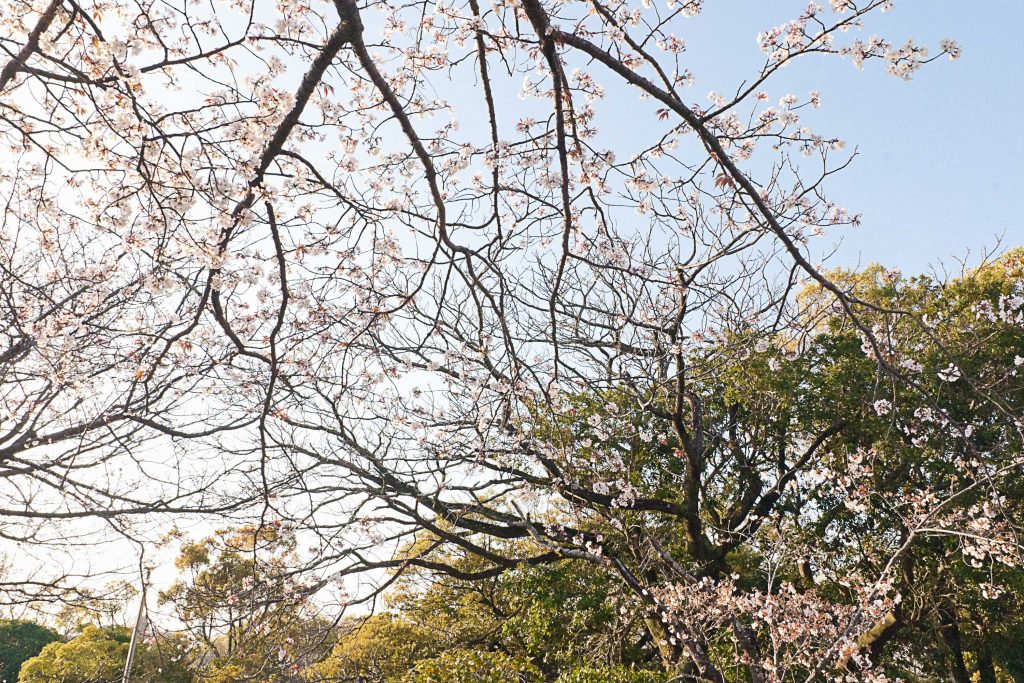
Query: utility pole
<point>140,627</point>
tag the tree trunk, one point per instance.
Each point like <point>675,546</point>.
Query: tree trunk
<point>986,667</point>
<point>950,632</point>
<point>661,637</point>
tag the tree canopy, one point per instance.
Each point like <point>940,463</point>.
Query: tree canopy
<point>98,655</point>
<point>20,640</point>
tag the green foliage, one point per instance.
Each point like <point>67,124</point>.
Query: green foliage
<point>98,656</point>
<point>538,621</point>
<point>933,430</point>
<point>377,649</point>
<point>928,410</point>
<point>562,614</point>
<point>473,666</point>
<point>616,674</point>
<point>19,641</point>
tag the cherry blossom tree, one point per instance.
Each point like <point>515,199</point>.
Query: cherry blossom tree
<point>490,275</point>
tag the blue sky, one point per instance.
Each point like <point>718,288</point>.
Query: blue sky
<point>939,170</point>
<point>939,167</point>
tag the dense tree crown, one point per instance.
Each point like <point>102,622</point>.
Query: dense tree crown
<point>20,640</point>
<point>497,351</point>
<point>98,656</point>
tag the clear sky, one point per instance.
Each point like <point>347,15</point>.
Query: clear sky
<point>939,170</point>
